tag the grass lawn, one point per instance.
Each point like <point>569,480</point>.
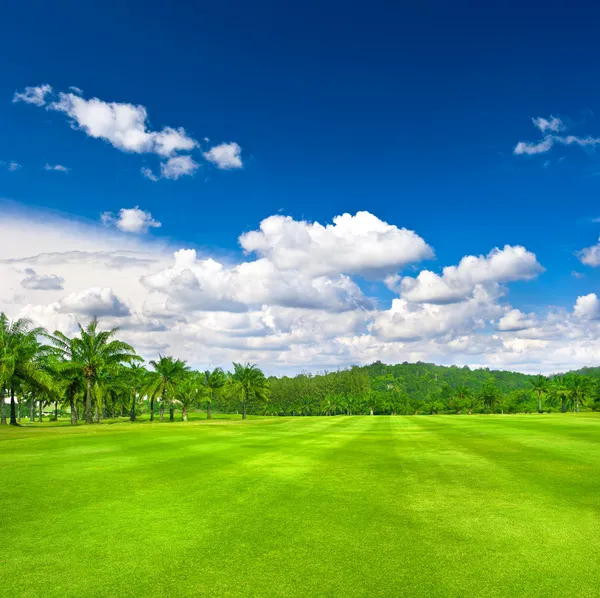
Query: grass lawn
<point>318,506</point>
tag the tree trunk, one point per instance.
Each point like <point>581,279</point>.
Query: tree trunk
<point>539,402</point>
<point>152,409</point>
<point>40,413</point>
<point>184,411</point>
<point>161,410</point>
<point>244,410</point>
<point>171,413</point>
<point>577,405</point>
<point>32,408</point>
<point>88,402</point>
<point>55,411</point>
<point>73,411</point>
<point>208,415</point>
<point>18,409</point>
<point>13,412</point>
<point>371,411</point>
<point>2,407</point>
<point>563,405</point>
<point>132,416</point>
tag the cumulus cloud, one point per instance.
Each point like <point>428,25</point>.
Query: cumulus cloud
<point>359,244</point>
<point>131,220</point>
<point>33,95</point>
<point>94,301</point>
<point>225,156</point>
<point>587,307</point>
<point>285,315</point>
<point>178,166</point>
<point>514,321</point>
<point>590,256</point>
<point>56,167</point>
<point>457,283</point>
<point>44,282</point>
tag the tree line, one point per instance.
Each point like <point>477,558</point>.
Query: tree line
<point>93,375</point>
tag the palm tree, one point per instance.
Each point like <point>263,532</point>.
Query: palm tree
<point>559,389</point>
<point>19,359</point>
<point>137,380</point>
<point>92,353</point>
<point>539,385</point>
<point>212,382</point>
<point>168,372</point>
<point>251,381</point>
<point>459,398</point>
<point>581,390</point>
<point>188,392</point>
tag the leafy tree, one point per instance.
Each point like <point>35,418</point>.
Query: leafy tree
<point>252,383</point>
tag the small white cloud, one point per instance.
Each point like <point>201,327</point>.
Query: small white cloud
<point>147,172</point>
<point>177,166</point>
<point>587,307</point>
<point>131,220</point>
<point>56,167</point>
<point>590,256</point>
<point>524,147</point>
<point>551,124</point>
<point>11,166</point>
<point>76,90</point>
<point>33,95</point>
<point>225,156</point>
<point>42,282</point>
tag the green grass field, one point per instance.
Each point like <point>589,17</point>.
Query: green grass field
<point>322,506</point>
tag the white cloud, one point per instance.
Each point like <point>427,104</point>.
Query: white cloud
<point>44,282</point>
<point>123,125</point>
<point>56,167</point>
<point>359,244</point>
<point>33,95</point>
<point>552,123</point>
<point>514,321</point>
<point>587,307</point>
<point>147,172</point>
<point>225,156</point>
<point>131,220</point>
<point>285,316</point>
<point>524,147</point>
<point>11,166</point>
<point>95,301</point>
<point>177,166</point>
<point>590,256</point>
<point>457,283</point>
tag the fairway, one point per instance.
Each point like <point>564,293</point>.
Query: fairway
<point>304,506</point>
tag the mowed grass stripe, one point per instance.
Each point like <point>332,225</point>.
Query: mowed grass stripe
<point>323,506</point>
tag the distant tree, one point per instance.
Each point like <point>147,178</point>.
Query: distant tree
<point>212,382</point>
<point>251,382</point>
<point>539,385</point>
<point>560,391</point>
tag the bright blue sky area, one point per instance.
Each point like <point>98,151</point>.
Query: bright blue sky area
<point>407,110</point>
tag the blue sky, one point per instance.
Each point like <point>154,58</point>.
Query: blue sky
<point>410,111</point>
